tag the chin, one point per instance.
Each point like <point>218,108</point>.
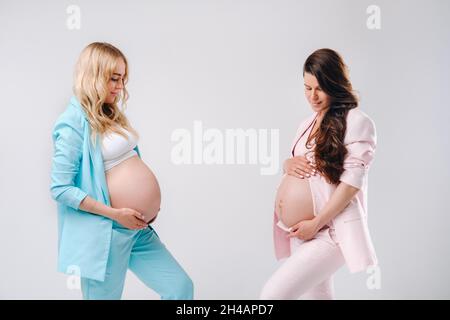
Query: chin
<point>315,109</point>
<point>318,108</point>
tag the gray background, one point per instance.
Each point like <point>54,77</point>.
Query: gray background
<point>232,64</point>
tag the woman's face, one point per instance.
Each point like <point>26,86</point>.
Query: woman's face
<point>317,98</point>
<point>115,84</point>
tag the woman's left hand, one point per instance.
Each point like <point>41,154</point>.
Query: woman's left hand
<point>305,230</point>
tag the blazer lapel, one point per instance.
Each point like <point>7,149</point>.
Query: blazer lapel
<point>96,166</point>
<point>98,169</point>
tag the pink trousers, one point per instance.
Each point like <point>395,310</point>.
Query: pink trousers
<point>308,272</point>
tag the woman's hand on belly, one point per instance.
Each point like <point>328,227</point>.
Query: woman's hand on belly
<point>305,230</point>
<point>131,219</point>
<point>299,167</point>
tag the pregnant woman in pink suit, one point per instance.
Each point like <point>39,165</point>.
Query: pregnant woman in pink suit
<point>320,218</point>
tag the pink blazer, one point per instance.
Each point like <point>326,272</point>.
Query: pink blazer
<point>351,227</point>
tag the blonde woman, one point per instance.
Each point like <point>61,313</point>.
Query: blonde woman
<point>106,195</point>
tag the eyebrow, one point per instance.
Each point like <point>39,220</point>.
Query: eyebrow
<point>310,86</point>
<point>117,74</point>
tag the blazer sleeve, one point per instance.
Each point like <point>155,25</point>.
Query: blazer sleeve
<point>66,161</point>
<point>360,141</point>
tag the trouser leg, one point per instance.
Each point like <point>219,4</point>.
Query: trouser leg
<point>116,269</point>
<point>310,267</point>
<point>155,266</point>
<point>323,291</point>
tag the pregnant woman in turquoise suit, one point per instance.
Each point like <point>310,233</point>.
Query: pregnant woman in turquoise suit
<point>106,195</point>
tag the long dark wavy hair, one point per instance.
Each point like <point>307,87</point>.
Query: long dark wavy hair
<point>332,75</point>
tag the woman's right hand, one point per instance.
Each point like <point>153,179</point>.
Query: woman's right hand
<point>299,167</point>
<point>131,219</point>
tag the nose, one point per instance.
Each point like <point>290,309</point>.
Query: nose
<point>119,84</point>
<point>314,94</point>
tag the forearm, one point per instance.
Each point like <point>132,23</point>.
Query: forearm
<point>90,205</point>
<point>340,198</point>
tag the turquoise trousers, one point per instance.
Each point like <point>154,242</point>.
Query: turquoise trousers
<point>147,257</point>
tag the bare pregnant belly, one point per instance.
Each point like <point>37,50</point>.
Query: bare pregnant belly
<point>131,184</point>
<point>293,201</point>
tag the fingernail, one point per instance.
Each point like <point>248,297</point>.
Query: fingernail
<point>308,175</point>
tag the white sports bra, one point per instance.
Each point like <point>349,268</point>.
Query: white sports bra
<point>115,148</point>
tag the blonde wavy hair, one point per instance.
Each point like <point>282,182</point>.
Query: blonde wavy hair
<point>93,71</point>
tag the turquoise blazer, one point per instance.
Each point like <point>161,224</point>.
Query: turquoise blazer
<point>84,239</point>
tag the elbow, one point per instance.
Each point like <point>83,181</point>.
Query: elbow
<point>68,195</point>
<point>355,178</point>
<point>60,194</point>
<point>352,189</point>
<point>55,192</point>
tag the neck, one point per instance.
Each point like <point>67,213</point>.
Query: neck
<point>321,114</point>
